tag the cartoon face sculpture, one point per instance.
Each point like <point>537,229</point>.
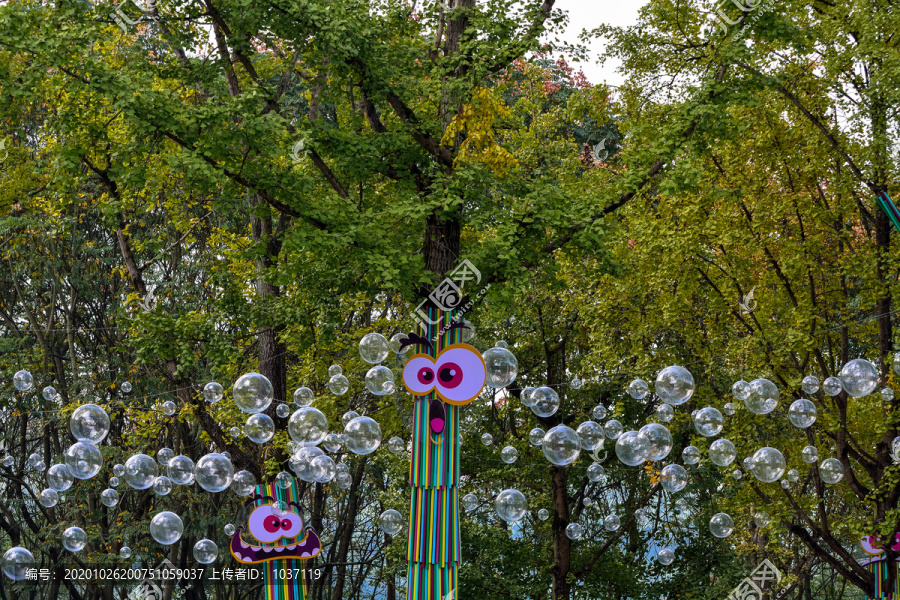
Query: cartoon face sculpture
<point>280,528</point>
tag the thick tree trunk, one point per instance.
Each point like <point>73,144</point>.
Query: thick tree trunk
<point>562,545</point>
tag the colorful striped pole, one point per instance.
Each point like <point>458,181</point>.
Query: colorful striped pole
<point>887,205</point>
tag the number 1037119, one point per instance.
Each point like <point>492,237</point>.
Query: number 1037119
<point>298,573</point>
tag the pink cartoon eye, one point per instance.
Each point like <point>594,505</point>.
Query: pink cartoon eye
<point>460,374</point>
<point>450,375</point>
<point>271,524</point>
<point>418,375</point>
<point>426,376</point>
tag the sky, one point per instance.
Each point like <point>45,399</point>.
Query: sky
<point>587,15</point>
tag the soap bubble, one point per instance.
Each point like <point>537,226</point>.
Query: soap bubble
<point>802,413</point>
<point>168,408</point>
<point>323,468</point>
<point>49,393</point>
<point>709,421</point>
<point>887,394</point>
<point>283,410</point>
<point>810,384</point>
<point>487,439</point>
<point>141,471</point>
<point>162,485</point>
<point>214,472</point>
<point>632,448</point>
<point>213,392</point>
<point>588,501</point>
<point>665,412</point>
<point>84,460</point>
<point>596,472</point>
<point>599,412</point>
<point>674,385</point>
<point>395,445</point>
<point>227,454</point>
<point>164,455</point>
<point>509,455</point>
<point>768,464</point>
<point>859,377</point>
<point>691,455</point>
<point>613,429</point>
<point>391,522</point>
<point>638,389</point>
<point>793,475</point>
<point>374,348</point>
<point>574,531</point>
<point>831,470</point>
<point>737,474</point>
<point>511,505</point>
<point>660,440</point>
<point>536,436</point>
<point>229,529</point>
<point>730,408</point>
<point>259,428</point>
<point>48,498</point>
<point>525,396</point>
<point>23,381</point>
<point>304,396</point>
<point>722,452</point>
<point>721,525</point>
<point>501,366</point>
<point>544,401</point>
<point>809,454</point>
<point>673,478</point>
<point>125,552</point>
<point>501,344</point>
<point>74,539</point>
<point>612,523</point>
<point>338,385</point>
<point>362,435</point>
<point>749,463</point>
<point>470,502</point>
<point>60,478</point>
<point>343,481</point>
<point>348,416</point>
<point>561,445</point>
<point>761,518</point>
<point>89,424</point>
<point>308,426</point>
<point>763,397</point>
<point>234,432</point>
<point>740,390</point>
<point>301,463</point>
<point>397,341</point>
<point>252,393</point>
<point>33,459</point>
<point>378,379</point>
<point>591,435</point>
<point>335,370</point>
<point>181,470</point>
<point>205,551</point>
<point>832,386</point>
<point>543,514</point>
<point>785,483</point>
<point>17,563</point>
<point>332,442</point>
<point>694,414</point>
<point>243,483</point>
<point>895,446</point>
<point>166,527</point>
<point>665,557</point>
<point>576,384</point>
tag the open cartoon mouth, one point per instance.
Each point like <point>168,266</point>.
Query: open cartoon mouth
<point>309,547</point>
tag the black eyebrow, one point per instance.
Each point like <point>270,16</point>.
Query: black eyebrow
<point>250,501</point>
<point>413,339</point>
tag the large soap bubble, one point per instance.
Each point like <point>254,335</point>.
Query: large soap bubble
<point>380,381</point>
<point>162,485</point>
<point>374,348</point>
<point>214,472</point>
<point>809,454</point>
<point>166,527</point>
<point>338,385</point>
<point>181,470</point>
<point>141,471</point>
<point>810,384</point>
<point>348,416</point>
<point>23,381</point>
<point>17,562</point>
<point>109,497</point>
<point>243,483</point>
<point>673,478</point>
<point>802,413</point>
<point>362,435</point>
<point>768,464</point>
<point>660,440</point>
<point>511,505</point>
<point>740,390</point>
<point>665,557</point>
<point>613,429</point>
<point>763,397</point>
<point>674,385</point>
<point>612,522</point>
<point>213,392</point>
<point>509,455</point>
<point>859,377</point>
<point>304,396</point>
<point>709,421</point>
<point>205,551</point>
<point>308,426</point>
<point>89,424</point>
<point>721,525</point>
<point>470,502</point>
<point>84,460</point>
<point>48,498</point>
<point>665,412</point>
<point>259,428</point>
<point>74,539</point>
<point>164,455</point>
<point>831,470</point>
<point>596,472</point>
<point>544,401</point>
<point>691,455</point>
<point>599,412</point>
<point>501,366</point>
<point>561,445</point>
<point>253,393</point>
<point>638,389</point>
<point>536,436</point>
<point>591,435</point>
<point>722,452</point>
<point>832,386</point>
<point>633,448</point>
<point>575,531</point>
<point>323,468</point>
<point>391,521</point>
<point>60,478</point>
